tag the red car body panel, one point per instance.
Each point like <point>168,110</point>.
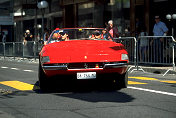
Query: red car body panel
<point>76,50</point>
<point>83,51</point>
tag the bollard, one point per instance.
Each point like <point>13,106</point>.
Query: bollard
<point>4,50</point>
<point>13,50</point>
<point>34,46</point>
<point>23,52</point>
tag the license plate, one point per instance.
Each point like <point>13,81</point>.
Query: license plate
<point>86,75</point>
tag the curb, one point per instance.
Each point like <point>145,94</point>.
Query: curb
<point>159,71</point>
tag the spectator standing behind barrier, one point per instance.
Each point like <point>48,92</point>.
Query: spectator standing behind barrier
<point>3,37</point>
<point>159,29</point>
<point>0,37</point>
<point>27,36</point>
<point>138,27</point>
<point>143,45</point>
<point>46,35</point>
<point>113,31</point>
<point>27,42</point>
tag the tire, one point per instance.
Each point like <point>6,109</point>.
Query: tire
<point>42,78</point>
<point>121,81</point>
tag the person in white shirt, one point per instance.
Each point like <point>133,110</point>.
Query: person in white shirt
<point>143,46</point>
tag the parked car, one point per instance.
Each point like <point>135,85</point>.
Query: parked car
<point>84,54</point>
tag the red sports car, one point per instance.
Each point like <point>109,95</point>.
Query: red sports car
<point>83,54</point>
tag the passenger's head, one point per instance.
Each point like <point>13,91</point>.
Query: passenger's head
<point>104,31</point>
<point>97,34</point>
<point>64,35</point>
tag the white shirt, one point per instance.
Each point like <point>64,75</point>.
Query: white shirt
<point>4,38</point>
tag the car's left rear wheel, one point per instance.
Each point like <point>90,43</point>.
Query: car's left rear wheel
<point>42,78</point>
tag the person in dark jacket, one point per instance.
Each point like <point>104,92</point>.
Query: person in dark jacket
<point>28,42</point>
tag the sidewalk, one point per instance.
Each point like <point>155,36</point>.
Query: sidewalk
<point>160,70</point>
<point>156,70</point>
<point>19,59</point>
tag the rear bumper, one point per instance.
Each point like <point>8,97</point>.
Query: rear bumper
<point>59,67</point>
<point>120,70</point>
<point>116,65</point>
<point>106,66</point>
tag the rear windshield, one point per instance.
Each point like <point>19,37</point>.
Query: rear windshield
<point>79,34</point>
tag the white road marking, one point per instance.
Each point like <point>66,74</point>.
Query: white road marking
<point>14,68</point>
<point>4,67</point>
<point>153,91</point>
<point>28,70</point>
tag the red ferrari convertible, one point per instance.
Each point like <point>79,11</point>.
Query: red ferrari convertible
<point>84,54</point>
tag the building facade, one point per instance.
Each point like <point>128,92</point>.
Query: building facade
<point>128,15</point>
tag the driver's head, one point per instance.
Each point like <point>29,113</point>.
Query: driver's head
<point>55,36</point>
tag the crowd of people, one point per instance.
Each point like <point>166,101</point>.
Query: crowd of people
<point>156,44</point>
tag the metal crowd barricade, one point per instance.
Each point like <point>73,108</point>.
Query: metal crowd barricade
<point>20,49</point>
<point>156,50</point>
<point>130,44</point>
<point>28,49</point>
<point>9,49</point>
<point>1,49</point>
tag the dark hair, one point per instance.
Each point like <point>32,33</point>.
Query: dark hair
<point>96,33</point>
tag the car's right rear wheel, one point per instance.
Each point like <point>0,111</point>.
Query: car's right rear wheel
<point>121,81</point>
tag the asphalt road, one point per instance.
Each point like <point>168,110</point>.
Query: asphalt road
<point>147,96</point>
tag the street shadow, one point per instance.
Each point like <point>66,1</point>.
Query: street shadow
<point>89,93</point>
<point>100,96</point>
